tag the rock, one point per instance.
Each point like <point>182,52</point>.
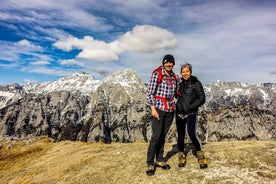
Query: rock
<point>80,108</point>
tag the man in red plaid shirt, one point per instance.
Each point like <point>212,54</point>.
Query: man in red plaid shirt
<point>160,94</point>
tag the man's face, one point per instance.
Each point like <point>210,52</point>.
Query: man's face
<point>168,66</point>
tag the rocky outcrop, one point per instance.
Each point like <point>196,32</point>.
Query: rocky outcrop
<point>10,94</point>
<point>237,123</point>
<point>56,115</point>
<point>118,109</point>
<point>238,111</point>
<point>114,109</point>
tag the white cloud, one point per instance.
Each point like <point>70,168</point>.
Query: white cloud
<point>40,63</point>
<point>27,45</point>
<point>146,38</point>
<point>50,71</point>
<point>90,48</point>
<point>230,43</point>
<point>8,66</point>
<point>71,62</point>
<point>8,52</point>
<point>81,18</point>
<point>143,38</point>
<point>227,40</point>
<point>98,55</point>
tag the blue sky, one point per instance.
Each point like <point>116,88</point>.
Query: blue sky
<point>43,40</point>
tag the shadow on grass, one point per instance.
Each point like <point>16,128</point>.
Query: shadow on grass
<point>174,150</point>
<point>171,153</point>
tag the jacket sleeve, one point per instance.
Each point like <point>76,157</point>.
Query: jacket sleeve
<point>200,96</point>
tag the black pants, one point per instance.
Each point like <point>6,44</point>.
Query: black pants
<point>160,129</point>
<point>190,123</point>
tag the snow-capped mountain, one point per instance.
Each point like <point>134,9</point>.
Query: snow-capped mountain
<point>10,93</point>
<point>79,82</point>
<point>82,82</point>
<point>224,94</point>
<point>125,81</point>
<point>229,94</point>
<point>219,94</point>
<point>126,78</point>
<point>78,107</point>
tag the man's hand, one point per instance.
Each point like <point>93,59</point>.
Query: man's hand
<point>154,112</point>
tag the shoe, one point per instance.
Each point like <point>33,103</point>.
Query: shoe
<point>150,170</point>
<point>202,160</point>
<point>182,159</point>
<point>163,165</point>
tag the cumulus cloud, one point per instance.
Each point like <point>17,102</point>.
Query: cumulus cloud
<point>98,54</point>
<point>90,48</point>
<point>147,38</point>
<point>143,38</point>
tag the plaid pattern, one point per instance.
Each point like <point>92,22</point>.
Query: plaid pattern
<point>166,89</point>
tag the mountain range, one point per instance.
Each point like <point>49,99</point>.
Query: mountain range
<point>79,107</point>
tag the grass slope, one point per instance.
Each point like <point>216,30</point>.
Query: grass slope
<point>40,160</point>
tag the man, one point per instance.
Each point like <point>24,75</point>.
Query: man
<point>160,96</point>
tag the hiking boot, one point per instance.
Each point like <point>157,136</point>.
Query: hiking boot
<point>150,170</point>
<point>163,165</point>
<point>182,159</point>
<point>202,160</point>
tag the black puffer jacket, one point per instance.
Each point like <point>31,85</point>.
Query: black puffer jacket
<point>193,96</point>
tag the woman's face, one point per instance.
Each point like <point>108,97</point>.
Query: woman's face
<point>186,73</point>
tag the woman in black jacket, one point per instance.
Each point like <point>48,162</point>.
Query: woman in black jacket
<point>192,97</point>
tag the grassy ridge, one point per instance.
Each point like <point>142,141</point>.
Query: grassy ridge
<point>43,161</point>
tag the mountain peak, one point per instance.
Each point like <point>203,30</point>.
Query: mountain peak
<point>125,78</point>
<point>80,81</point>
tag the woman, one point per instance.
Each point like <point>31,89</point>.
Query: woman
<point>192,97</point>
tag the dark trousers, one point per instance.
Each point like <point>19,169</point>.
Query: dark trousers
<point>190,123</point>
<point>160,129</point>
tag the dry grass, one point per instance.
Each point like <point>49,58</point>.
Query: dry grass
<point>43,161</point>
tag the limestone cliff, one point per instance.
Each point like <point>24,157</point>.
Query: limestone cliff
<point>81,108</point>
